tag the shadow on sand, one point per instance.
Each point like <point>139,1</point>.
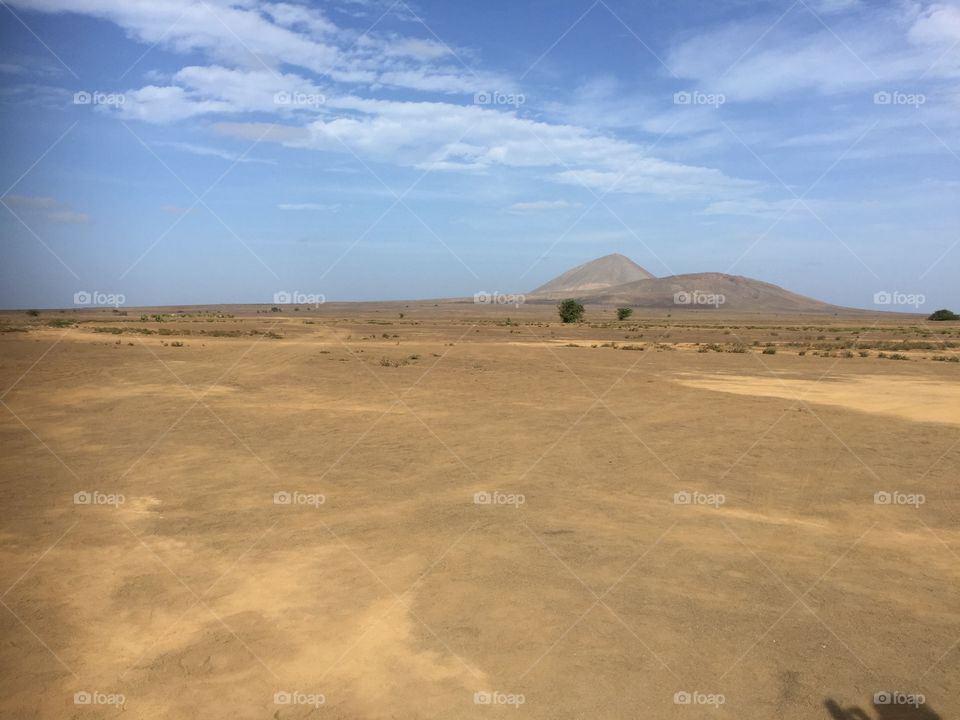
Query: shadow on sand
<point>883,712</point>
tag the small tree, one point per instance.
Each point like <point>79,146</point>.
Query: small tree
<point>570,310</point>
<point>944,315</point>
<point>624,313</point>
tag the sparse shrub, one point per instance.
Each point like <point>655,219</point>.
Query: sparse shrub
<point>33,313</point>
<point>769,351</point>
<point>944,314</point>
<point>175,343</point>
<point>275,309</point>
<point>738,348</point>
<point>864,353</point>
<point>624,312</point>
<point>60,322</point>
<point>570,311</point>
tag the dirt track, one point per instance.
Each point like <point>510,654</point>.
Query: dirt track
<point>587,588</point>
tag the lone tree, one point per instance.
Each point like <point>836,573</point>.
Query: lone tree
<point>624,313</point>
<point>944,315</point>
<point>570,310</point>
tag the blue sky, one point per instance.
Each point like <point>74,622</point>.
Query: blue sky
<point>222,151</point>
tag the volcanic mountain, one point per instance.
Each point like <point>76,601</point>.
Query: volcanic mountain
<point>601,282</point>
<point>592,277</point>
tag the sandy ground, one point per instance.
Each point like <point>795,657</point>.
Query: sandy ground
<point>766,536</point>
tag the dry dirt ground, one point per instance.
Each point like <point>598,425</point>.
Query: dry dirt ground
<point>668,514</point>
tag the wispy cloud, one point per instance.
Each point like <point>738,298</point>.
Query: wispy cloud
<point>213,152</point>
<point>538,205</point>
<point>47,208</point>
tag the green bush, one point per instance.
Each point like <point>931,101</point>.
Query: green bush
<point>570,310</point>
<point>624,312</point>
<point>944,315</point>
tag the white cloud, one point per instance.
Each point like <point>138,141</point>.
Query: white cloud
<point>213,152</point>
<point>249,41</point>
<point>799,58</point>
<point>68,217</point>
<point>47,208</point>
<point>32,202</point>
<point>262,35</point>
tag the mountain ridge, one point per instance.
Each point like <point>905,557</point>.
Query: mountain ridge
<point>597,274</point>
<point>596,282</point>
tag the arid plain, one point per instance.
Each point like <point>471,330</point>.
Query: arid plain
<point>758,515</point>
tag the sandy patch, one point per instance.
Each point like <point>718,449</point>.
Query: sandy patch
<point>899,396</point>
